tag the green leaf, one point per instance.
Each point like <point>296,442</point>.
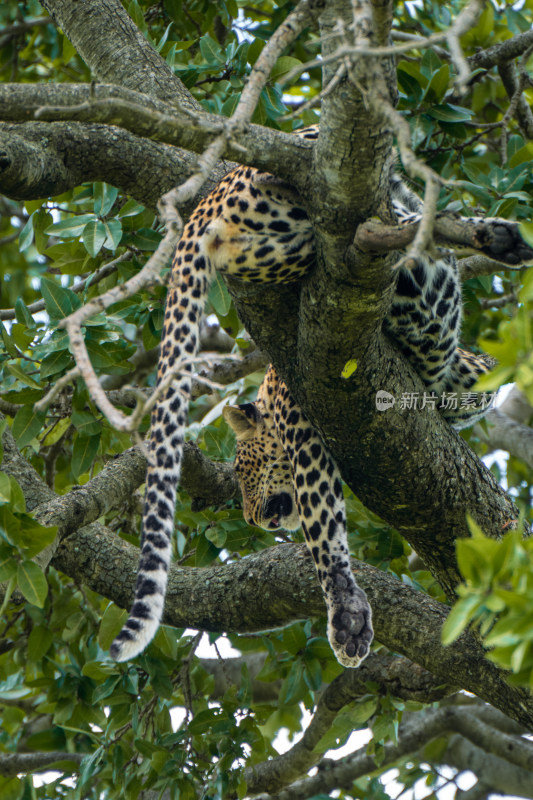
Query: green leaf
<point>294,639</point>
<point>459,617</point>
<point>211,51</point>
<point>11,788</point>
<point>438,84</point>
<point>26,235</point>
<point>282,67</point>
<point>22,314</point>
<point>217,536</point>
<point>111,624</point>
<point>69,228</point>
<point>23,377</point>
<point>206,552</point>
<point>94,236</point>
<point>113,229</point>
<point>85,423</point>
<point>349,368</point>
<point>55,362</point>
<point>18,503</point>
<point>9,524</point>
<point>32,583</point>
<point>59,302</point>
<point>8,564</point>
<point>522,155</point>
<point>41,222</point>
<point>89,765</point>
<point>131,208</point>
<point>104,198</point>
<point>33,536</point>
<point>83,453</point>
<point>430,63</point>
<point>144,239</point>
<point>313,674</point>
<point>450,113</point>
<point>219,296</point>
<point>39,642</point>
<point>204,720</point>
<point>8,342</point>
<point>411,82</point>
<point>98,670</point>
<point>5,488</point>
<point>526,232</point>
<point>22,336</point>
<point>27,424</point>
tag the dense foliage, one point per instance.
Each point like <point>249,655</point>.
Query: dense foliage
<point>59,691</point>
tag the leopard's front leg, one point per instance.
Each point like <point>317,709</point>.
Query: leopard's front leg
<point>321,507</point>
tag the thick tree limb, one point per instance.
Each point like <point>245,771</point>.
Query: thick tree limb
<point>12,764</point>
<point>502,52</point>
<point>115,50</point>
<point>517,406</point>
<point>267,149</point>
<point>40,159</point>
<point>272,588</point>
<point>205,480</point>
<point>474,266</point>
<point>497,773</point>
<point>279,585</point>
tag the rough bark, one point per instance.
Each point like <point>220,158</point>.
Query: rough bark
<point>278,585</point>
<point>115,50</point>
<point>39,159</point>
<point>497,773</point>
<point>154,120</point>
<point>417,733</point>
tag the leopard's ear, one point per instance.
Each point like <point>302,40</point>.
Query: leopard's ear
<point>243,419</point>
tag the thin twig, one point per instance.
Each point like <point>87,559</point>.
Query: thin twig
<point>101,273</point>
<point>450,36</point>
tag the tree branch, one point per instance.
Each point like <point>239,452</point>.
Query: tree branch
<point>270,589</point>
<point>278,585</point>
<point>498,773</point>
<point>506,434</point>
<point>413,737</point>
<point>115,50</point>
<point>399,676</point>
<point>265,148</point>
<point>375,236</point>
<point>12,764</point>
<point>474,266</point>
<point>39,159</point>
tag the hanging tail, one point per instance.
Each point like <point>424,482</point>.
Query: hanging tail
<point>191,274</point>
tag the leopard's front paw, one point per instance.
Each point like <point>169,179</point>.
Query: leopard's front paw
<point>349,622</point>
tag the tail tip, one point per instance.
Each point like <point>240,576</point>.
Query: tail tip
<point>129,643</point>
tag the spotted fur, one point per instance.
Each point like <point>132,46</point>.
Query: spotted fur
<point>255,228</point>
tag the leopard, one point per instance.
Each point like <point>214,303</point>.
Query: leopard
<point>255,227</point>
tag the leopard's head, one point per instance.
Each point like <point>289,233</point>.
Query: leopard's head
<point>263,470</point>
